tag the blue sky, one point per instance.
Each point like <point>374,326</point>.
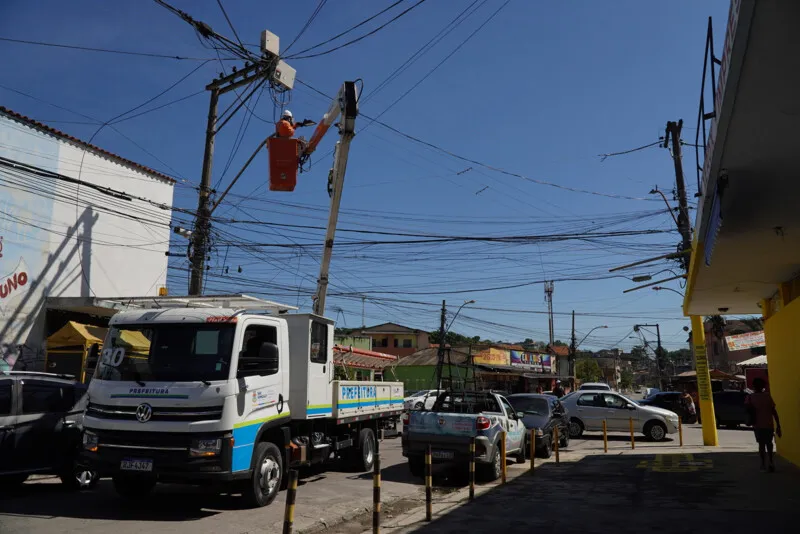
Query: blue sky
<point>541,91</point>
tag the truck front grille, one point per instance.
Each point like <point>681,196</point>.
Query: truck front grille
<point>160,413</point>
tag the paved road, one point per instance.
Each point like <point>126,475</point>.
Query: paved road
<point>43,507</point>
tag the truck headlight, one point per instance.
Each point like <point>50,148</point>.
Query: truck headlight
<point>90,441</point>
<point>205,447</point>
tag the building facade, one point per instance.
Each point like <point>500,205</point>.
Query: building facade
<point>395,339</point>
<point>75,222</point>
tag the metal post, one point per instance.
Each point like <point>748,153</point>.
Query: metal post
<point>472,469</point>
<point>680,430</point>
<point>533,447</point>
<point>556,444</point>
<point>572,349</point>
<point>503,457</point>
<point>200,234</point>
<point>633,439</point>
<point>605,436</point>
<point>291,495</point>
<point>428,485</point>
<point>440,352</point>
<point>376,495</point>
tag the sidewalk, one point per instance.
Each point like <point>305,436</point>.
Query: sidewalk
<point>651,489</point>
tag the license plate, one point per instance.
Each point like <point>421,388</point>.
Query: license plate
<point>136,464</point>
<point>443,455</point>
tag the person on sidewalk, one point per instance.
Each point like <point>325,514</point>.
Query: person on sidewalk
<point>762,411</point>
<point>691,410</point>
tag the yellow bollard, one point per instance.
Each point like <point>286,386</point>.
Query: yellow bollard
<point>605,436</point>
<point>291,495</point>
<point>471,468</point>
<point>503,457</point>
<point>533,447</point>
<point>428,485</point>
<point>376,496</point>
<point>680,431</point>
<point>633,440</point>
<point>556,444</point>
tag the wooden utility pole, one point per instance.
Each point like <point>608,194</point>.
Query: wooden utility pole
<point>572,349</point>
<point>440,352</point>
<point>673,132</point>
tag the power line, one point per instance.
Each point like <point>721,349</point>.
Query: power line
<point>106,50</point>
<point>381,12</point>
<point>357,39</point>
<point>310,20</point>
<point>612,154</point>
<point>230,24</point>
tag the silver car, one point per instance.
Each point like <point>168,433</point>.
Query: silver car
<point>588,410</point>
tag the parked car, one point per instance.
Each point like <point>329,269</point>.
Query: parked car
<point>543,413</point>
<point>672,401</point>
<point>421,400</point>
<point>455,420</point>
<point>729,408</point>
<point>40,429</point>
<point>588,410</point>
<point>595,386</point>
<point>649,392</point>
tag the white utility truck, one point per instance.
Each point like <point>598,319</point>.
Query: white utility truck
<point>226,389</point>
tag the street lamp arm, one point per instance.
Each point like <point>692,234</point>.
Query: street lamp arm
<point>587,335</point>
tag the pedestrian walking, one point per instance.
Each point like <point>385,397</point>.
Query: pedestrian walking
<point>539,390</point>
<point>762,411</point>
<point>691,409</point>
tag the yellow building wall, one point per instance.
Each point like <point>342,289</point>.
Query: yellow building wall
<point>783,352</point>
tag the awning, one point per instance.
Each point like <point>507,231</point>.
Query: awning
<point>361,359</point>
<point>76,334</point>
<point>758,361</point>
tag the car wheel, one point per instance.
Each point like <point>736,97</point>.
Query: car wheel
<point>133,487</point>
<point>419,406</point>
<point>655,430</point>
<point>563,441</point>
<point>265,482</point>
<point>575,428</point>
<point>364,459</point>
<point>547,447</point>
<point>80,478</point>
<point>416,465</point>
<point>493,470</point>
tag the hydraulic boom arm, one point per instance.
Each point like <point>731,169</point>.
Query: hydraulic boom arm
<point>346,104</point>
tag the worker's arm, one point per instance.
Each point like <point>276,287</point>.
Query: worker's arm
<point>285,129</point>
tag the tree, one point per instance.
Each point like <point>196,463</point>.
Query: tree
<point>638,352</point>
<point>626,379</point>
<point>587,370</point>
<point>559,343</point>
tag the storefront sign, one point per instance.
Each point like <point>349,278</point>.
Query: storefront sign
<point>526,360</point>
<point>746,341</point>
<point>547,365</point>
<point>492,356</point>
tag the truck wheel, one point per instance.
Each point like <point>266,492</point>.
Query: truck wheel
<point>365,458</point>
<point>78,477</point>
<point>133,487</point>
<point>265,482</point>
<point>417,466</point>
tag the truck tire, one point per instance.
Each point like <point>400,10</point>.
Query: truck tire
<point>78,477</point>
<point>364,458</point>
<point>133,487</point>
<point>416,465</point>
<point>265,481</point>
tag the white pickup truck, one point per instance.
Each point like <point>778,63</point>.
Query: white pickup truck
<point>457,418</point>
<point>226,396</point>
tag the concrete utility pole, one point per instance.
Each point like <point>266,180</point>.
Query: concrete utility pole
<point>673,132</point>
<point>572,348</point>
<point>441,351</point>
<point>548,297</point>
<point>271,68</point>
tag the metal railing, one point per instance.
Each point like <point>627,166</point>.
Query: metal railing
<point>709,59</point>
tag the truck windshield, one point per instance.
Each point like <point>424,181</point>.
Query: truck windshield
<point>166,352</point>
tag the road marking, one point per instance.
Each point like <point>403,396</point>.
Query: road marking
<point>676,463</point>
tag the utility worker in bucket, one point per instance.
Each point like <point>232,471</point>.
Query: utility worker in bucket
<point>286,126</point>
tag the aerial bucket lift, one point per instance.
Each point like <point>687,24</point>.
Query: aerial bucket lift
<point>287,156</point>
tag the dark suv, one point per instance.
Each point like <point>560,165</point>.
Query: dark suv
<point>40,429</point>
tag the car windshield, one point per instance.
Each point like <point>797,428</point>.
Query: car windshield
<point>529,405</point>
<point>166,352</point>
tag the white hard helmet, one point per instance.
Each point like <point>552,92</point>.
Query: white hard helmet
<point>287,115</point>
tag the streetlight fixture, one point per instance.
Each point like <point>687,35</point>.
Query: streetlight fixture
<point>587,335</point>
<point>661,288</point>
<point>466,302</point>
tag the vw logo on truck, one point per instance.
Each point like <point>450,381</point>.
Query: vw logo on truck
<point>144,412</point>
